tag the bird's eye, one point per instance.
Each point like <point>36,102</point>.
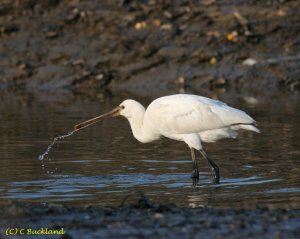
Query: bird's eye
<point>122,107</point>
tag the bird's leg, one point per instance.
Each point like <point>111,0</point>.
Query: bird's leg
<point>195,173</point>
<point>213,166</point>
<point>195,182</point>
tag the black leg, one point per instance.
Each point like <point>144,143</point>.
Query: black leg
<point>195,173</point>
<point>213,166</point>
<point>195,182</point>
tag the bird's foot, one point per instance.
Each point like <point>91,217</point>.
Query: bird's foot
<point>216,180</point>
<point>195,174</point>
<point>216,171</point>
<point>195,182</point>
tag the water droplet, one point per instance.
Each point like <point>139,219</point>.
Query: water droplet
<point>56,139</point>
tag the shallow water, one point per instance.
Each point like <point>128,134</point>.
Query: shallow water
<point>103,164</point>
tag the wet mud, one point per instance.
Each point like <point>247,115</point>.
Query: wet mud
<point>145,219</point>
<point>147,47</point>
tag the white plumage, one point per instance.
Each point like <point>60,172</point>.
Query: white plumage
<point>189,118</point>
<point>178,115</point>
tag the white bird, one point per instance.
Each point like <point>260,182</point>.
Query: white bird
<point>189,118</point>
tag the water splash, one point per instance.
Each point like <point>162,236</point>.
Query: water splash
<point>55,140</point>
<point>59,138</point>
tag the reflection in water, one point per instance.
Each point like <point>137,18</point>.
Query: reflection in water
<point>104,163</point>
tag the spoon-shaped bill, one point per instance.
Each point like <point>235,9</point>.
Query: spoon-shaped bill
<point>115,112</point>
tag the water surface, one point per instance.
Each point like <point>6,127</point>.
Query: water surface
<point>103,164</point>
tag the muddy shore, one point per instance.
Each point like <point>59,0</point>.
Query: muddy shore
<point>148,220</point>
<point>151,47</point>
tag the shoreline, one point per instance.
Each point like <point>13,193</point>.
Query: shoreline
<point>151,220</point>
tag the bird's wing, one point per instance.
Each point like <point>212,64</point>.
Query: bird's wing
<point>182,114</point>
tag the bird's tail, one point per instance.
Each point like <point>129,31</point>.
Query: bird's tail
<point>246,127</point>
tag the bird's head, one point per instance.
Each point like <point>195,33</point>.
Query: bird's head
<point>128,109</point>
<point>131,108</point>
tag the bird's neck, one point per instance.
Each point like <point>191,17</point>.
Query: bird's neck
<point>139,129</point>
<point>136,124</point>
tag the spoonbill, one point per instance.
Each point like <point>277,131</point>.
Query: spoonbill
<point>192,119</point>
